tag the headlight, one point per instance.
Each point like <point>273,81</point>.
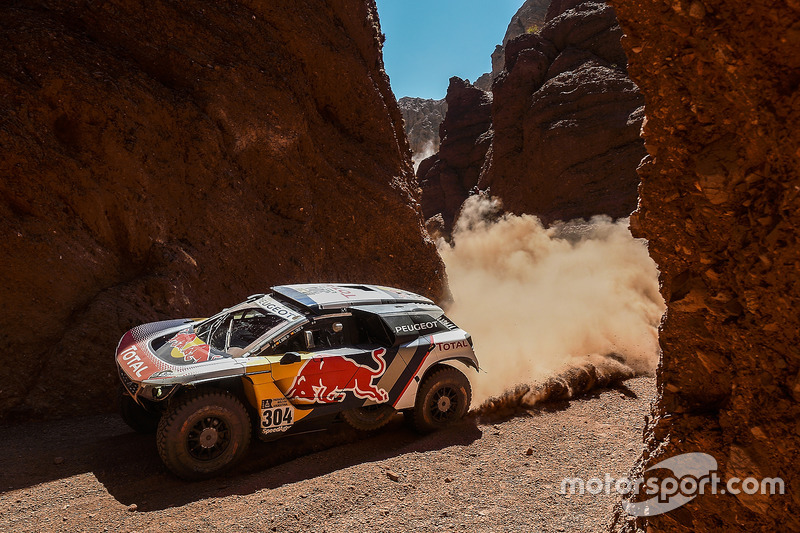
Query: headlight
<point>159,393</point>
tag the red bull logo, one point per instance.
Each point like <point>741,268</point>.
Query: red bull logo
<point>191,348</point>
<point>328,379</point>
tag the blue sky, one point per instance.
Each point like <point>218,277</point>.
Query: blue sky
<point>429,41</point>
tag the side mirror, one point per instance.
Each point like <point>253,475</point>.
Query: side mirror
<point>309,340</point>
<point>290,357</point>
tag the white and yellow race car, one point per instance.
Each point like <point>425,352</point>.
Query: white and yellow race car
<point>290,362</point>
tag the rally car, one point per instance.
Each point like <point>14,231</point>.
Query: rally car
<point>288,362</point>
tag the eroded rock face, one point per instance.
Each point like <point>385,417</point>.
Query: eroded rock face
<point>422,118</point>
<point>529,18</point>
<point>720,205</point>
<point>566,119</point>
<point>447,177</point>
<point>170,161</point>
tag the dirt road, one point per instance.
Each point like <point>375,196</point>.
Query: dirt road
<point>94,474</point>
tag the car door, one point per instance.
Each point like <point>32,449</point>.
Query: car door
<point>329,366</point>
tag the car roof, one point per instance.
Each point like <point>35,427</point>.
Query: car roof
<point>326,296</point>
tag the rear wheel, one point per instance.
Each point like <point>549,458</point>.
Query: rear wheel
<point>369,418</point>
<point>203,433</point>
<point>137,417</point>
<point>442,399</point>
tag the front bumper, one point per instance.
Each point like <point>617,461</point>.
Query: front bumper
<point>141,391</point>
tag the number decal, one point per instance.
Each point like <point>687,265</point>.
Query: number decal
<point>277,415</point>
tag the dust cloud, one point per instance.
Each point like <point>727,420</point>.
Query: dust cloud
<point>427,151</point>
<point>552,311</point>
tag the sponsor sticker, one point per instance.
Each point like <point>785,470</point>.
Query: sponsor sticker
<point>412,328</point>
<point>133,361</point>
<point>277,415</point>
<point>316,289</point>
<point>446,323</point>
<point>189,347</point>
<point>271,306</point>
<point>340,376</point>
<point>447,346</point>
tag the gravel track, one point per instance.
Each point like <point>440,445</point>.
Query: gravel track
<point>94,474</point>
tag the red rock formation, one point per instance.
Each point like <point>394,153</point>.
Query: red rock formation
<point>169,160</point>
<point>529,18</point>
<point>566,119</point>
<point>447,177</point>
<point>720,205</point>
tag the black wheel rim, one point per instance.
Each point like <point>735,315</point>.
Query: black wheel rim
<point>443,404</point>
<point>208,438</point>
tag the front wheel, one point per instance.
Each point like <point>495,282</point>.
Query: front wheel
<point>442,399</point>
<point>203,433</point>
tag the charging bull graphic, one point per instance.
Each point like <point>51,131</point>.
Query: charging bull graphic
<point>191,348</point>
<point>327,379</point>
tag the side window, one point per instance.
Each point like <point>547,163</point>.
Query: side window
<point>325,333</point>
<point>333,332</point>
<point>371,330</point>
<point>295,344</point>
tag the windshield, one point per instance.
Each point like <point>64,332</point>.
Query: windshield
<point>234,331</point>
<point>238,329</point>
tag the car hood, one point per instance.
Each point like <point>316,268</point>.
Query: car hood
<point>172,345</point>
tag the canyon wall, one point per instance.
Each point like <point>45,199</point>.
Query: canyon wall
<point>720,206</point>
<point>170,161</point>
<point>561,124</point>
<point>529,18</point>
<point>447,177</point>
<point>566,119</point>
<point>422,118</point>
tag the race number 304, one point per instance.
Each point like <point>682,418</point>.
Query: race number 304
<point>276,415</point>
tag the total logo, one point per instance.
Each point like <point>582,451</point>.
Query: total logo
<point>447,346</point>
<point>133,361</point>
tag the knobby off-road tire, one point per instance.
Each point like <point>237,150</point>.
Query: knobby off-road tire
<point>369,418</point>
<point>137,417</point>
<point>443,398</point>
<point>203,433</point>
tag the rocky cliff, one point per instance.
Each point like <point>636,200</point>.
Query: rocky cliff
<point>720,205</point>
<point>566,119</point>
<point>422,118</point>
<point>447,177</point>
<point>529,18</point>
<point>169,161</point>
